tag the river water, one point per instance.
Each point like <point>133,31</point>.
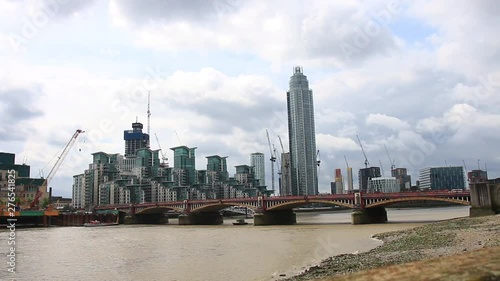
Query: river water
<point>192,253</point>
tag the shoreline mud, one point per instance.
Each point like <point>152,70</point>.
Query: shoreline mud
<point>434,240</point>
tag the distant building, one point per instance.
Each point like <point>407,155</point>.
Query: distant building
<point>384,185</point>
<point>184,165</point>
<point>302,136</point>
<point>339,183</point>
<point>78,195</point>
<point>26,188</point>
<point>477,176</point>
<point>333,187</point>
<point>441,178</point>
<point>59,203</point>
<point>365,175</point>
<point>403,178</point>
<point>257,161</point>
<point>286,176</point>
<point>350,186</point>
<point>135,139</point>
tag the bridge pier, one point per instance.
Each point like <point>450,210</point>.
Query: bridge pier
<point>155,218</point>
<point>485,198</point>
<point>281,217</point>
<point>369,215</point>
<point>201,218</point>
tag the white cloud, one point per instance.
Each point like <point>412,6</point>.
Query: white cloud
<point>387,121</point>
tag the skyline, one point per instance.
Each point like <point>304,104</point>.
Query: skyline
<point>421,78</point>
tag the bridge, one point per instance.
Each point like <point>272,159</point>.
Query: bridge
<point>278,210</point>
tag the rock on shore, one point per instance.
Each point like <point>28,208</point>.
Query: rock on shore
<point>421,243</point>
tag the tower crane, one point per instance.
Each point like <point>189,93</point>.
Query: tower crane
<point>163,157</point>
<point>390,161</point>
<point>364,154</point>
<point>286,164</point>
<point>53,171</point>
<point>318,162</point>
<point>272,159</point>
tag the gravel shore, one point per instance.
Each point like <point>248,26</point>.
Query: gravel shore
<point>421,243</point>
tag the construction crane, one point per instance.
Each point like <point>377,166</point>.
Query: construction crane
<point>286,164</point>
<point>53,171</point>
<point>163,157</point>
<point>318,162</point>
<point>149,119</point>
<point>364,154</point>
<point>381,168</point>
<point>393,166</point>
<point>346,163</point>
<point>272,159</point>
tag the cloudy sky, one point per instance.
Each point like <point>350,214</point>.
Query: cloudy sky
<point>421,78</point>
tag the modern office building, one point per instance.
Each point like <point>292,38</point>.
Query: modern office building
<point>403,178</point>
<point>257,161</point>
<point>135,139</point>
<point>441,178</point>
<point>302,136</point>
<point>365,175</point>
<point>383,185</point>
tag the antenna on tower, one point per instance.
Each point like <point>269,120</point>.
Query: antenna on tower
<point>149,114</point>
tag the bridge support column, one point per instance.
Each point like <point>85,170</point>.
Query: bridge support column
<point>282,217</point>
<point>369,215</point>
<point>146,219</point>
<point>201,218</point>
<point>485,199</point>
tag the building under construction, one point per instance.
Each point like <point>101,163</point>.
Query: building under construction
<point>140,177</point>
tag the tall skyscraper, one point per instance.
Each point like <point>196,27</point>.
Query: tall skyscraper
<point>135,139</point>
<point>257,161</point>
<point>302,136</point>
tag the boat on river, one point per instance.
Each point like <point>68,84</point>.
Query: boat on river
<point>240,222</point>
<point>95,223</point>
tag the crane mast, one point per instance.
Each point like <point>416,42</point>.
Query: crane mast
<point>272,159</point>
<point>364,154</point>
<point>390,161</point>
<point>163,157</point>
<point>56,166</point>
<point>149,119</point>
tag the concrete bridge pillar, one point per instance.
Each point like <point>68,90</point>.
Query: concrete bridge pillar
<point>146,219</point>
<point>281,217</point>
<point>485,199</point>
<point>201,218</point>
<point>369,215</point>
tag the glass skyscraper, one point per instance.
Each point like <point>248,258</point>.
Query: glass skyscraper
<point>302,136</point>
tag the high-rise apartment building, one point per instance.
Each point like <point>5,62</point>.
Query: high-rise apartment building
<point>365,175</point>
<point>349,180</point>
<point>403,178</point>
<point>257,161</point>
<point>302,136</point>
<point>135,139</point>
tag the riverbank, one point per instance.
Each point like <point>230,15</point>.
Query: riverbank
<point>421,243</point>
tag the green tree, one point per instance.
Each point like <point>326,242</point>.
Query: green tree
<point>45,203</point>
